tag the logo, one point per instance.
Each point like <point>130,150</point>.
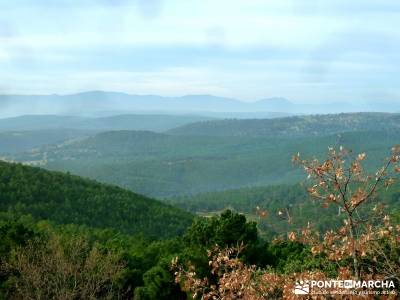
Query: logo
<point>348,284</point>
<point>302,288</point>
<point>332,286</point>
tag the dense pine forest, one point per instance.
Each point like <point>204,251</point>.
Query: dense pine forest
<point>65,199</point>
<point>112,242</point>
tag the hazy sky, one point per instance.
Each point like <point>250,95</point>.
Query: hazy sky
<point>328,50</point>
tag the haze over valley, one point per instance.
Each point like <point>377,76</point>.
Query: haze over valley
<point>166,156</point>
<point>99,103</point>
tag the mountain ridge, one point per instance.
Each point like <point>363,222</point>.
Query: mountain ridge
<point>292,126</point>
<point>91,102</point>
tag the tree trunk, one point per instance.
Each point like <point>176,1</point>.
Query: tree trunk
<point>356,265</point>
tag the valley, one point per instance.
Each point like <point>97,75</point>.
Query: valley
<point>185,164</point>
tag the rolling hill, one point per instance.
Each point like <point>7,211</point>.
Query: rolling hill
<point>297,126</point>
<point>162,165</point>
<point>25,133</point>
<point>67,199</point>
<point>114,122</point>
<point>289,199</point>
<point>21,141</point>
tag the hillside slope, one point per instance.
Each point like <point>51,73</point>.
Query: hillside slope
<point>64,199</point>
<point>297,126</point>
<point>20,141</point>
<point>153,122</point>
<point>162,165</point>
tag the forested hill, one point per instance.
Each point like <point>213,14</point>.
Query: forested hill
<point>263,204</point>
<point>122,142</point>
<point>19,141</point>
<point>64,199</point>
<point>161,165</point>
<point>298,126</point>
<point>153,122</point>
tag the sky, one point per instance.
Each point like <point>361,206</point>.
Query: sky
<point>303,50</point>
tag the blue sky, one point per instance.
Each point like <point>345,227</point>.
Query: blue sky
<point>306,51</point>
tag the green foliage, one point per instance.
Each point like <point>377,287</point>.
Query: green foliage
<point>67,247</point>
<point>146,272</point>
<point>159,284</point>
<point>227,230</point>
<point>144,235</point>
<point>65,199</point>
<point>246,200</point>
<point>168,166</point>
<point>287,199</point>
<point>278,202</point>
<point>292,257</point>
<point>13,234</point>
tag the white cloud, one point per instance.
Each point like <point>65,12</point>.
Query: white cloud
<point>249,49</point>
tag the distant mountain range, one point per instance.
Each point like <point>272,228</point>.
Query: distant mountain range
<point>101,103</point>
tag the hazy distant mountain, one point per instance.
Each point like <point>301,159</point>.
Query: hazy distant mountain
<point>103,103</point>
<point>274,104</point>
<point>95,103</point>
